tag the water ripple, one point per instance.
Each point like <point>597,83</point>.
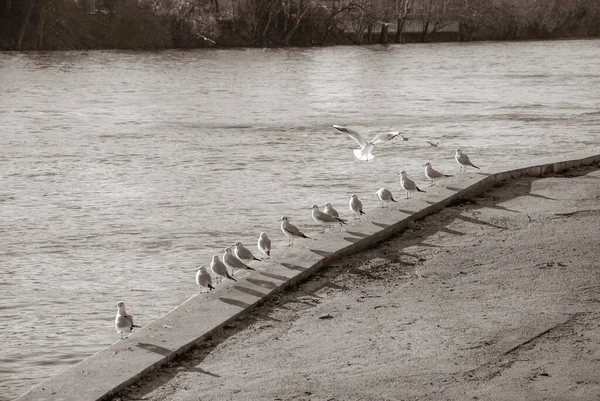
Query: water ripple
<point>119,165</point>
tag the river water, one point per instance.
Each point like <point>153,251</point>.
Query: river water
<point>122,171</point>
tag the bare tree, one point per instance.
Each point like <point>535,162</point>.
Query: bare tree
<point>432,14</point>
<point>24,23</point>
<point>403,9</point>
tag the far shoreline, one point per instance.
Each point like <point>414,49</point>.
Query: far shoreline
<point>219,47</point>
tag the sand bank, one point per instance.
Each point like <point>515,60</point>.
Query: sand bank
<point>495,298</point>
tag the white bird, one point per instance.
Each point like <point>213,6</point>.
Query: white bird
<point>408,185</point>
<point>243,253</point>
<point>264,244</point>
<point>330,210</point>
<point>463,160</point>
<point>364,153</point>
<point>384,137</point>
<point>433,174</point>
<point>324,218</point>
<point>123,321</point>
<point>219,269</point>
<point>290,230</point>
<point>233,262</point>
<point>203,278</point>
<point>210,41</point>
<point>433,144</point>
<point>384,195</point>
<point>356,205</point>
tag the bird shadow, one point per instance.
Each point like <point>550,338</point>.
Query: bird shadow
<point>409,212</point>
<point>273,276</point>
<point>155,348</point>
<point>203,371</point>
<point>234,302</point>
<point>382,225</point>
<point>430,245</point>
<point>351,239</point>
<point>249,291</point>
<point>450,231</point>
<point>477,221</point>
<point>262,283</point>
<point>320,253</point>
<point>357,234</point>
<point>540,196</point>
<point>293,267</point>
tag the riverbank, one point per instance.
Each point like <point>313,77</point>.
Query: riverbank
<point>128,24</point>
<point>492,298</point>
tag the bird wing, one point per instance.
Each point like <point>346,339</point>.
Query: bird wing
<point>386,194</point>
<point>353,134</point>
<point>292,229</point>
<point>325,217</point>
<point>332,212</point>
<point>434,173</point>
<point>384,137</point>
<point>243,253</point>
<point>219,268</point>
<point>408,184</point>
<point>357,205</point>
<point>203,279</point>
<point>464,159</point>
<point>128,319</point>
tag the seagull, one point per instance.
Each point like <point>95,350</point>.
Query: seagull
<point>290,230</point>
<point>324,218</point>
<point>364,153</point>
<point>384,195</point>
<point>432,174</point>
<point>404,138</point>
<point>330,210</point>
<point>203,278</point>
<point>433,144</point>
<point>356,206</point>
<point>463,160</point>
<point>210,41</point>
<point>243,253</point>
<point>408,185</point>
<point>264,244</point>
<point>123,321</point>
<point>233,262</point>
<point>219,269</point>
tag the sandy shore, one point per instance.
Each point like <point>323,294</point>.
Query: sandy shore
<point>497,298</point>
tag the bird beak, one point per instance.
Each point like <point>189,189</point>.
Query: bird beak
<point>425,164</point>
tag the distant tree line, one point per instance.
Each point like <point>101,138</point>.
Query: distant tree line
<point>73,24</point>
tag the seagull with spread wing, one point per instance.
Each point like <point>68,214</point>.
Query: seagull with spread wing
<point>364,153</point>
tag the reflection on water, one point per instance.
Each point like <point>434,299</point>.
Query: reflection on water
<point>122,171</point>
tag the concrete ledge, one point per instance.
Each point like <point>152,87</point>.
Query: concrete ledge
<point>107,372</point>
